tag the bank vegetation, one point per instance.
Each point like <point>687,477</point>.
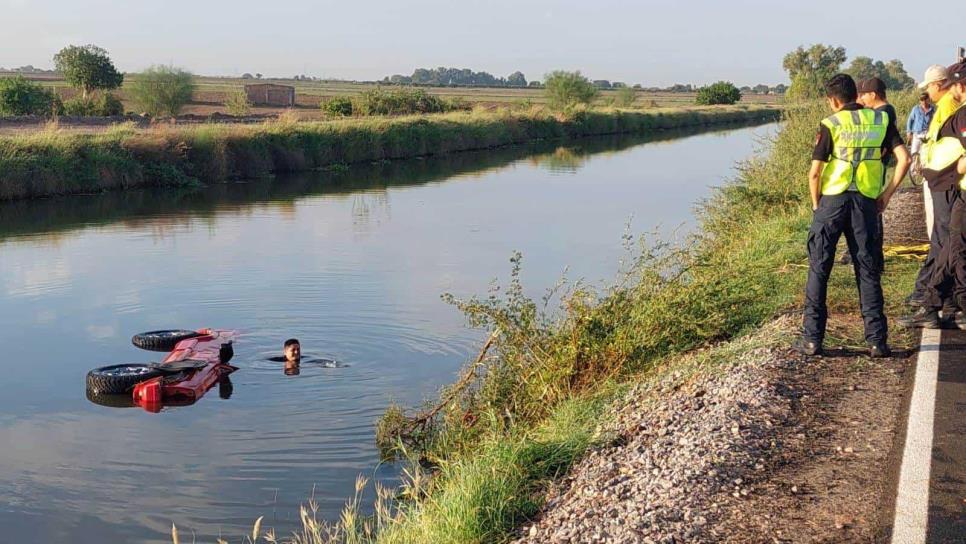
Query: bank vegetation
<point>53,162</point>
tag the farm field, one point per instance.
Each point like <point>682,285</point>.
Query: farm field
<point>211,92</point>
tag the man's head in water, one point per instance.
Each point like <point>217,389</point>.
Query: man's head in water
<point>292,350</point>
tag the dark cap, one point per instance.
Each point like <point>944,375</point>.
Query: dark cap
<point>871,85</point>
<point>956,73</point>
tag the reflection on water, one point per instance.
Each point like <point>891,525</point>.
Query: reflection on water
<point>350,262</point>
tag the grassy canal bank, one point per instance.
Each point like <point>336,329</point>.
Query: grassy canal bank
<point>525,411</point>
<point>53,162</point>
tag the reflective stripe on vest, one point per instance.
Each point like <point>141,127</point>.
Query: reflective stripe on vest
<point>857,139</point>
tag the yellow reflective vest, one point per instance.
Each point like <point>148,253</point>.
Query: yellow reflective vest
<point>938,154</point>
<point>857,140</point>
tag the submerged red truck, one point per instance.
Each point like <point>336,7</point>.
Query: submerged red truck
<point>197,360</point>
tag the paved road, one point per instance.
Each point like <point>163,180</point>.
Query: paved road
<point>931,500</point>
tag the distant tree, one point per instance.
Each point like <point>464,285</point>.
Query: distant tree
<point>246,75</point>
<point>400,80</point>
<point>810,68</point>
<point>18,96</point>
<point>535,83</point>
<point>163,90</point>
<point>565,89</point>
<point>898,78</point>
<point>618,85</point>
<point>864,68</point>
<point>679,88</point>
<point>637,85</point>
<point>421,76</point>
<point>88,68</point>
<point>602,84</point>
<point>892,73</point>
<point>745,89</point>
<point>516,79</point>
<point>625,97</point>
<point>258,76</point>
<point>781,88</point>
<point>761,88</point>
<point>722,92</point>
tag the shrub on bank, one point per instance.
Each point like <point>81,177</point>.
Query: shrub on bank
<point>625,97</point>
<point>567,89</point>
<point>19,96</point>
<point>100,105</point>
<point>237,103</point>
<point>339,106</point>
<point>162,90</point>
<point>722,92</point>
<point>397,102</point>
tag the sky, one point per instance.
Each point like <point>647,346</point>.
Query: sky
<point>655,43</point>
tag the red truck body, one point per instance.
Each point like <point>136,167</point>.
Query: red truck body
<point>213,348</point>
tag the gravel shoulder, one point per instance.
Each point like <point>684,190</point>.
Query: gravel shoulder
<point>769,446</point>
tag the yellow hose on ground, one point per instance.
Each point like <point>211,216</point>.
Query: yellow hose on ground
<point>914,251</point>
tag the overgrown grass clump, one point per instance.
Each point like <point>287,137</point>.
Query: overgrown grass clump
<point>402,102</point>
<point>56,162</point>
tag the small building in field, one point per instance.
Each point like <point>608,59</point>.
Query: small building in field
<point>270,94</point>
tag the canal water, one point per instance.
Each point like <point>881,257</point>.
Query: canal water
<point>351,262</point>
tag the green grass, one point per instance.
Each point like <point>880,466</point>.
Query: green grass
<point>54,162</point>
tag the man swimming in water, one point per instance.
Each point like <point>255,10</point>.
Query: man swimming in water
<point>292,352</point>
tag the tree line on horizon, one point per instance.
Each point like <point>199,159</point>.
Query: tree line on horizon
<point>465,77</point>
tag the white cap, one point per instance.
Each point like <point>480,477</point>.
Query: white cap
<point>934,73</point>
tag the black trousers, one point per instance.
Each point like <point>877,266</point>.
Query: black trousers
<point>857,218</point>
<point>948,279</point>
<point>942,208</point>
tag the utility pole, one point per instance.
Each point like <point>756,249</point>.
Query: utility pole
<point>961,54</point>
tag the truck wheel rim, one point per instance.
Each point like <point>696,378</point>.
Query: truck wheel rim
<point>127,371</point>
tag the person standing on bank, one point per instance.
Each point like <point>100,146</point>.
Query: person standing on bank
<point>942,194</point>
<point>943,160</point>
<point>846,185</point>
<point>918,123</point>
<point>872,95</point>
<point>916,127</point>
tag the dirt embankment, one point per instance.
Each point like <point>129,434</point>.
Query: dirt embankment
<point>770,446</point>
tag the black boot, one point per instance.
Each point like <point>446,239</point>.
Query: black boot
<point>880,351</point>
<point>924,318</point>
<point>807,347</point>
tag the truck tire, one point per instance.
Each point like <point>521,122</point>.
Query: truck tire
<point>118,379</point>
<point>161,340</point>
<point>111,401</point>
